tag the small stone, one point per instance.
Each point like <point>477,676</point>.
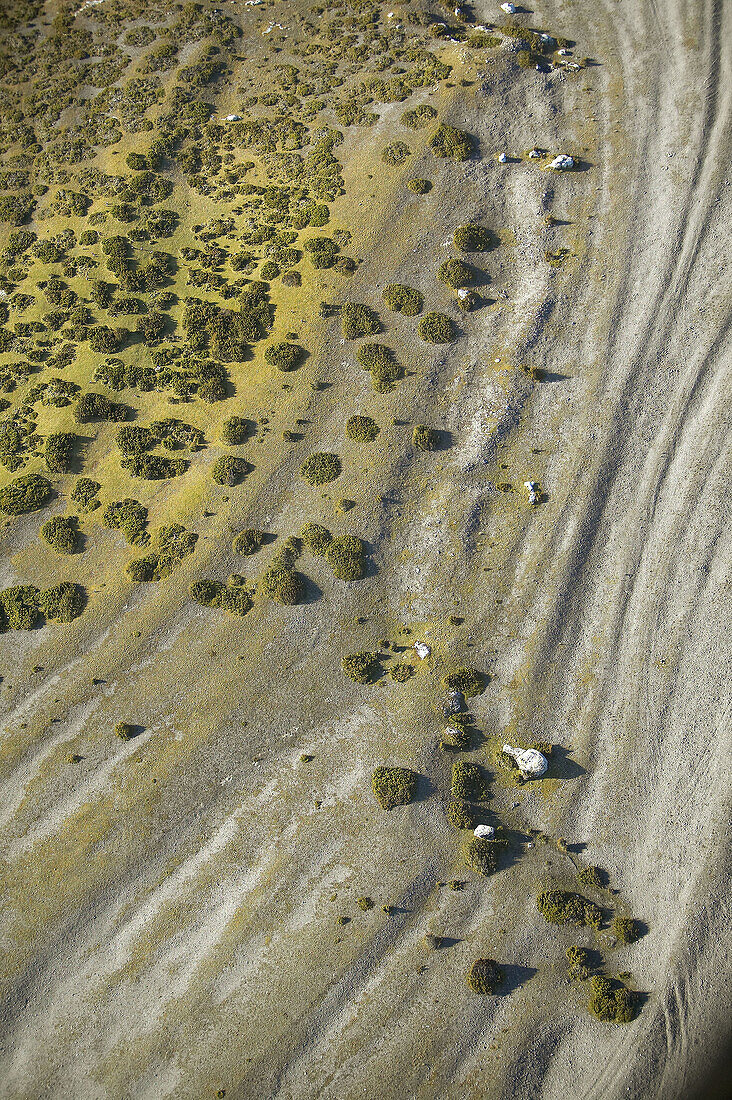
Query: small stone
<point>422,650</point>
<point>487,832</point>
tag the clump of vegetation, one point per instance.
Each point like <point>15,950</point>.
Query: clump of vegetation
<point>358,320</point>
<point>95,406</point>
<point>233,597</point>
<point>24,494</point>
<point>479,40</point>
<point>396,153</point>
<point>580,962</point>
<point>424,438</point>
<point>362,429</point>
<point>401,672</point>
<point>469,681</point>
<point>457,735</point>
<point>473,238</point>
<point>450,142</point>
<point>84,494</point>
<point>419,186</point>
<point>284,356</point>
<point>236,430</point>
<point>125,731</point>
<point>564,907</point>
<point>455,274</point>
<point>611,1001</point>
<point>22,606</point>
<point>229,470</point>
<point>468,782</point>
<point>485,976</point>
<point>61,533</point>
<point>436,328</point>
<point>321,468</point>
<point>248,542</point>
<point>417,117</point>
<point>172,543</point>
<point>133,439</point>
<point>481,855</point>
<point>364,903</point>
<point>316,538</point>
<point>283,584</point>
<point>346,556</point>
<point>362,667</point>
<point>588,876</point>
<point>379,360</point>
<point>626,929</point>
<point>403,299</point>
<point>393,786</point>
<point>154,467</point>
<point>468,300</point>
<point>460,814</point>
<point>129,517</point>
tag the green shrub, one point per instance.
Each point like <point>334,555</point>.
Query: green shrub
<point>448,141</point>
<point>125,731</point>
<point>626,929</point>
<point>362,429</point>
<point>436,328</point>
<point>129,517</point>
<point>236,430</point>
<point>358,320</point>
<point>424,438</point>
<point>154,467</point>
<point>58,451</point>
<point>481,855</point>
<point>84,494</point>
<point>403,299</point>
<point>104,340</point>
<point>393,786</point>
<point>396,153</point>
<point>479,40</point>
<point>283,584</point>
<point>284,356</point>
<point>485,976</point>
<point>133,439</point>
<point>362,667</point>
<point>588,876</point>
<point>19,607</point>
<point>469,681</point>
<point>580,960</point>
<point>455,274</point>
<point>316,538</point>
<point>63,602</point>
<point>418,116</point>
<point>95,406</point>
<point>61,533</point>
<point>229,470</point>
<point>401,672</point>
<point>419,186</point>
<point>347,558</point>
<point>564,907</point>
<point>248,542</point>
<point>207,592</point>
<point>611,1001</point>
<point>25,494</point>
<point>460,814</point>
<point>321,468</point>
<point>473,238</point>
<point>468,782</point>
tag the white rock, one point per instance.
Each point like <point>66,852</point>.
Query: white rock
<point>502,158</point>
<point>531,763</point>
<point>463,293</point>
<point>485,831</point>
<point>535,154</point>
<point>562,162</point>
<point>531,488</point>
<point>510,9</point>
<point>422,650</point>
<point>564,53</point>
<point>233,118</point>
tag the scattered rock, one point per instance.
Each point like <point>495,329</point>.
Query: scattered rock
<point>562,162</point>
<point>530,762</point>
<point>532,489</point>
<point>422,650</point>
<point>485,831</point>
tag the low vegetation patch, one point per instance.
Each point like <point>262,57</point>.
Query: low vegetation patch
<point>236,430</point>
<point>481,855</point>
<point>61,533</point>
<point>346,556</point>
<point>393,786</point>
<point>403,299</point>
<point>419,186</point>
<point>611,1001</point>
<point>473,238</point>
<point>626,929</point>
<point>469,681</point>
<point>247,542</point>
<point>424,438</point>
<point>564,907</point>
<point>362,667</point>
<point>358,320</point>
<point>456,274</point>
<point>283,584</point>
<point>485,976</point>
<point>316,538</point>
<point>25,494</point>
<point>396,153</point>
<point>321,468</point>
<point>230,470</point>
<point>450,142</point>
<point>436,328</point>
<point>129,517</point>
<point>362,429</point>
<point>468,782</point>
<point>284,355</point>
<point>460,814</point>
<point>417,117</point>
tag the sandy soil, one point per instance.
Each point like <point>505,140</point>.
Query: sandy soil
<point>172,902</point>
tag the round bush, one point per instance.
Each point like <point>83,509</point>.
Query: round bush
<point>419,116</point>
<point>402,672</point>
<point>485,976</point>
<point>284,356</point>
<point>316,538</point>
<point>460,814</point>
<point>424,438</point>
<point>481,855</point>
<point>320,468</point>
<point>436,328</point>
<point>393,786</point>
<point>469,681</point>
<point>229,470</point>
<point>248,542</point>
<point>362,667</point>
<point>362,429</point>
<point>134,440</point>
<point>610,1001</point>
<point>396,153</point>
<point>283,584</point>
<point>25,494</point>
<point>626,929</point>
<point>403,299</point>
<point>419,186</point>
<point>236,430</point>
<point>449,141</point>
<point>473,238</point>
<point>347,558</point>
<point>455,274</point>
<point>61,533</point>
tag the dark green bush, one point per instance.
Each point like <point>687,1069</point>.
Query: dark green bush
<point>95,406</point>
<point>129,517</point>
<point>316,538</point>
<point>282,583</point>
<point>172,543</point>
<point>358,320</point>
<point>154,467</point>
<point>485,976</point>
<point>588,876</point>
<point>393,786</point>
<point>460,814</point>
<point>419,186</point>
<point>479,40</point>
<point>229,470</point>
<point>84,494</point>
<point>481,855</point>
<point>418,116</point>
<point>564,907</point>
<point>284,356</point>
<point>104,340</point>
<point>25,494</point>
<point>424,438</point>
<point>403,299</point>
<point>236,430</point>
<point>436,328</point>
<point>63,602</point>
<point>474,238</point>
<point>347,558</point>
<point>362,667</point>
<point>58,451</point>
<point>396,153</point>
<point>19,607</point>
<point>321,468</point>
<point>133,439</point>
<point>248,542</point>
<point>469,681</point>
<point>455,274</point>
<point>448,141</point>
<point>611,1001</point>
<point>362,429</point>
<point>61,533</point>
<point>207,592</point>
<point>626,929</point>
<point>468,782</point>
